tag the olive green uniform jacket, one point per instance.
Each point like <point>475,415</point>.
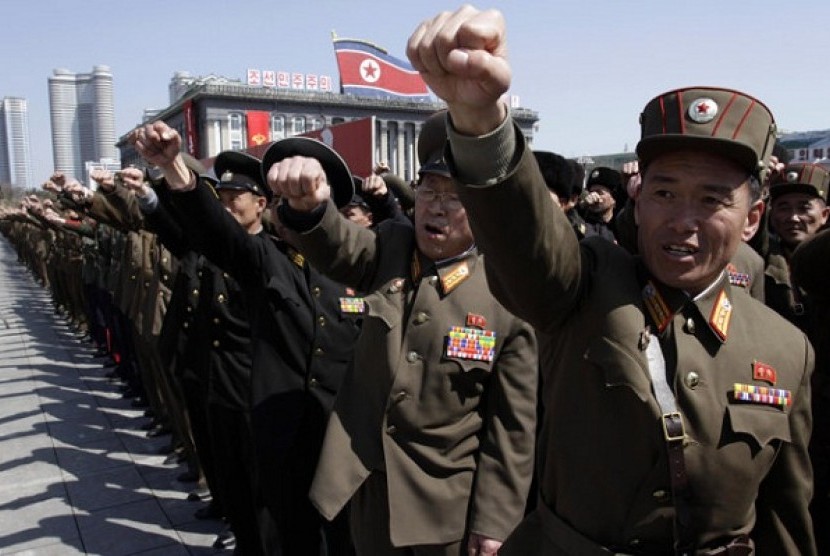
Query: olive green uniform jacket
<point>603,466</point>
<point>454,435</point>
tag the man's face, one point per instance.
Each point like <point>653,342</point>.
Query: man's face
<point>606,200</point>
<point>357,214</point>
<point>693,210</point>
<point>441,227</point>
<point>796,217</point>
<point>244,206</point>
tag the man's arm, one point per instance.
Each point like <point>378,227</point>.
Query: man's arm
<point>532,256</point>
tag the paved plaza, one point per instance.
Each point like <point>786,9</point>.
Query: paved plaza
<point>78,475</point>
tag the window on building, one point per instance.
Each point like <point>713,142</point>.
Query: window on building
<point>277,127</point>
<point>818,153</point>
<point>317,123</point>
<point>297,125</point>
<point>802,154</point>
<point>235,131</point>
<point>392,147</point>
<point>379,141</point>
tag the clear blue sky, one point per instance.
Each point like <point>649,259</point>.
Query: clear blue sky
<point>588,67</point>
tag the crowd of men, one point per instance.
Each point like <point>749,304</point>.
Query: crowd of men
<point>508,356</point>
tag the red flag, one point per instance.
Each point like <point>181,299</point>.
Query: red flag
<point>353,140</point>
<point>258,124</point>
<point>367,70</point>
<point>190,131</point>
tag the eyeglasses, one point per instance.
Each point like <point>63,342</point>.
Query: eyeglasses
<point>450,201</point>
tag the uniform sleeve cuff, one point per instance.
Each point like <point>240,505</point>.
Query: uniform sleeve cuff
<point>485,159</point>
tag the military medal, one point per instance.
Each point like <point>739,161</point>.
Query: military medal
<point>762,371</point>
<point>736,278</point>
<point>476,321</point>
<point>471,343</point>
<point>352,305</point>
<point>762,395</point>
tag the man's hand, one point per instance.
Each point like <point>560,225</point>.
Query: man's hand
<point>374,186</point>
<point>160,145</point>
<point>462,56</point>
<point>300,181</point>
<point>133,179</point>
<point>79,193</point>
<point>49,185</point>
<point>104,179</point>
<point>632,178</point>
<point>479,545</point>
<point>380,168</point>
<point>58,178</point>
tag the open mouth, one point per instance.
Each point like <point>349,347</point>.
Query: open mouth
<point>680,250</point>
<point>433,230</point>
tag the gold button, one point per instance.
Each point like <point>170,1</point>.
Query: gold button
<point>412,356</point>
<point>316,291</point>
<point>400,396</point>
<point>313,382</point>
<point>215,320</point>
<point>225,275</point>
<point>165,277</point>
<point>391,429</point>
<point>186,325</point>
<point>195,292</point>
<point>692,379</point>
<point>421,317</point>
<point>321,320</point>
<point>660,495</point>
<point>689,325</point>
<point>220,298</point>
<point>216,343</point>
<point>146,284</point>
<point>318,351</point>
<point>164,260</point>
<point>189,309</point>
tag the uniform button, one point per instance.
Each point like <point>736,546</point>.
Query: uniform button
<point>433,280</point>
<point>400,396</point>
<point>225,275</point>
<point>391,429</point>
<point>321,321</point>
<point>220,298</point>
<point>186,325</point>
<point>146,284</point>
<point>318,351</point>
<point>689,325</point>
<point>189,309</point>
<point>692,379</point>
<point>421,317</point>
<point>412,356</point>
<point>316,291</point>
<point>164,260</point>
<point>195,292</point>
<point>313,383</point>
<point>215,320</point>
<point>216,343</point>
<point>660,495</point>
<point>165,277</point>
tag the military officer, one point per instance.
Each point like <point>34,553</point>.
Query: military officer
<point>301,343</point>
<point>677,408</point>
<point>431,438</point>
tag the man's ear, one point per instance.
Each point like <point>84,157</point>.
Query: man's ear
<point>753,220</point>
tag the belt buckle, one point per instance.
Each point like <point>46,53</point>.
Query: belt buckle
<point>673,429</point>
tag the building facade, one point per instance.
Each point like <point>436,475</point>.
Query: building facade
<point>213,116</point>
<point>83,119</point>
<point>15,156</point>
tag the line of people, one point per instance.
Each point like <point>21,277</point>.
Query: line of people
<point>357,371</point>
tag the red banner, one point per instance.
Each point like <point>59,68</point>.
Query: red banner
<point>353,140</point>
<point>190,131</point>
<point>259,123</point>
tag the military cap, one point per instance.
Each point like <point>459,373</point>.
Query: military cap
<point>606,177</point>
<point>722,121</point>
<point>812,179</point>
<point>557,172</point>
<point>431,143</point>
<point>238,171</point>
<point>337,171</point>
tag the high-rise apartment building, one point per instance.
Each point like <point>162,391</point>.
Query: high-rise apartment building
<point>83,119</point>
<point>15,158</point>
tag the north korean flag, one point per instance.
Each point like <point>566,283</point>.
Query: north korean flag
<point>368,70</point>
